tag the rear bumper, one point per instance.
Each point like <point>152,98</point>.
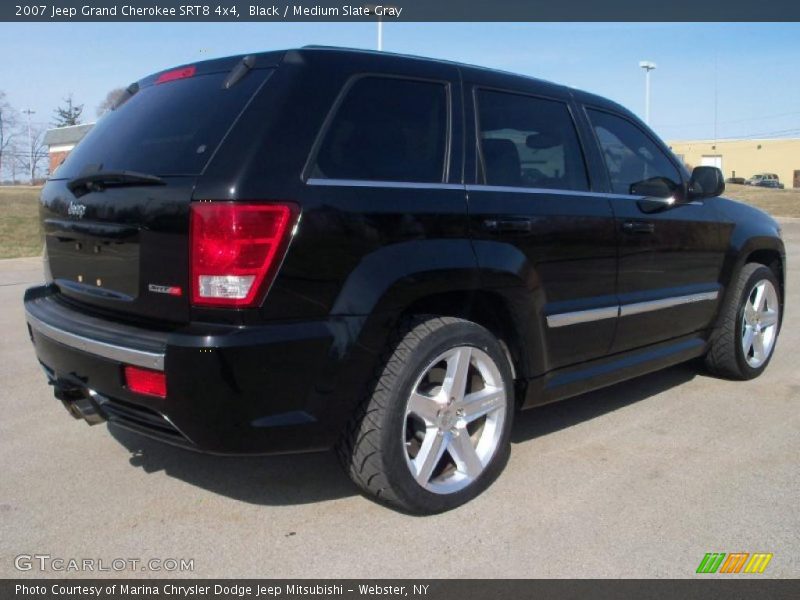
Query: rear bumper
<point>265,389</point>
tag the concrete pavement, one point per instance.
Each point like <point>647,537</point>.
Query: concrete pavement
<point>638,480</point>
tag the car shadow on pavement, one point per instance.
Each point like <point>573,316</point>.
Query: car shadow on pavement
<point>315,477</point>
<point>536,422</point>
<point>269,480</point>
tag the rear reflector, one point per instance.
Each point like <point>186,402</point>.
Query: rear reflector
<point>236,249</point>
<point>146,381</point>
<point>182,73</point>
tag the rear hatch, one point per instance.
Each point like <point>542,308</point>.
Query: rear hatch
<point>115,214</point>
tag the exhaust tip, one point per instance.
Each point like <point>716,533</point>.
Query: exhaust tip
<point>81,404</point>
<point>88,411</point>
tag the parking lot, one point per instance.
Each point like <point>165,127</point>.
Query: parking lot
<point>638,480</point>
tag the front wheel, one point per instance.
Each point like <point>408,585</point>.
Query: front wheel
<point>743,344</point>
<point>434,432</point>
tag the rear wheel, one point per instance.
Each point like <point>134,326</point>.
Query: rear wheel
<point>743,344</point>
<point>435,430</point>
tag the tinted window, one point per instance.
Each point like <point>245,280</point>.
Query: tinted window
<point>387,130</point>
<point>529,142</point>
<point>635,164</point>
<point>167,129</point>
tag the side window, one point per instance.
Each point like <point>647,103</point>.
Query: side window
<point>529,142</point>
<point>387,130</point>
<point>635,164</point>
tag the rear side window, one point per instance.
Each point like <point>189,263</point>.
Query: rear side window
<point>171,128</point>
<point>529,142</point>
<point>636,165</point>
<point>387,129</point>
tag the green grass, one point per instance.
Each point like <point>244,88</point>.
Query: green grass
<point>20,234</point>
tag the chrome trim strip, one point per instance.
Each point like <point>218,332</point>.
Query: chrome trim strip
<point>642,307</point>
<point>560,192</point>
<point>625,310</point>
<point>582,316</point>
<point>457,186</point>
<point>413,185</point>
<point>140,358</point>
<point>540,191</point>
<point>384,184</point>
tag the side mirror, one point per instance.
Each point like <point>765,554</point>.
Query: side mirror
<point>659,194</point>
<point>655,187</point>
<point>706,182</point>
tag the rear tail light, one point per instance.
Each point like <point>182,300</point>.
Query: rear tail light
<point>146,381</point>
<point>236,249</point>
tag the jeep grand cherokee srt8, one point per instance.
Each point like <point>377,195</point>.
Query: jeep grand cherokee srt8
<point>389,255</point>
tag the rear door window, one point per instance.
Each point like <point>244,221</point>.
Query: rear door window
<point>387,129</point>
<point>529,142</point>
<point>172,128</point>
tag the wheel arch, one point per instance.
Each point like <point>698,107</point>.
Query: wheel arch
<point>767,250</point>
<point>518,333</point>
<point>441,277</point>
<point>485,308</point>
<point>774,260</point>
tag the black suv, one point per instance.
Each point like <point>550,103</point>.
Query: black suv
<point>389,255</point>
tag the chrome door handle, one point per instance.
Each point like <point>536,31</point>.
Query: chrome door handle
<point>520,225</point>
<point>638,227</point>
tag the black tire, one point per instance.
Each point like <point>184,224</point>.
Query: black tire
<point>373,449</point>
<point>726,357</point>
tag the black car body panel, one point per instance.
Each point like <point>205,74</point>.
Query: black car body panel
<point>584,287</point>
<point>126,240</point>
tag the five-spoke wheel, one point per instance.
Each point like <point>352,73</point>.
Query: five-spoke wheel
<point>749,323</point>
<point>435,431</point>
<point>454,419</point>
<point>760,323</point>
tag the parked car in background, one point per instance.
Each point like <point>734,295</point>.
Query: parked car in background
<point>770,180</point>
<point>770,183</point>
<point>388,255</point>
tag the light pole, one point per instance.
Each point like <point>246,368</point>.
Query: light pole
<point>30,112</point>
<point>647,66</point>
<point>373,8</point>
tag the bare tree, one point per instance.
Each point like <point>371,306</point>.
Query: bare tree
<point>30,157</point>
<point>10,164</point>
<point>69,114</point>
<point>8,124</point>
<point>110,101</point>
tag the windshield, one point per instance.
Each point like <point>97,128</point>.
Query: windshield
<point>165,129</point>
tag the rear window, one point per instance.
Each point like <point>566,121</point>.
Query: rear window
<point>387,129</point>
<point>171,128</point>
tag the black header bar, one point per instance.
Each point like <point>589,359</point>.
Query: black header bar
<point>400,10</point>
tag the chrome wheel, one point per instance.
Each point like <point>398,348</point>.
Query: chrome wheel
<point>760,323</point>
<point>454,419</point>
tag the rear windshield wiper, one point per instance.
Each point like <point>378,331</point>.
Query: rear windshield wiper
<point>97,182</point>
<point>126,95</point>
<point>238,72</point>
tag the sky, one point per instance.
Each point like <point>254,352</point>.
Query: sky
<point>738,80</point>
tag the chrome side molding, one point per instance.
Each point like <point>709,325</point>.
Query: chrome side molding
<point>642,307</point>
<point>626,310</point>
<point>582,316</point>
